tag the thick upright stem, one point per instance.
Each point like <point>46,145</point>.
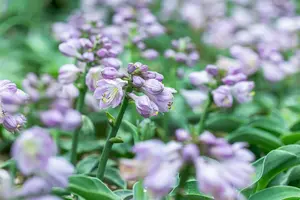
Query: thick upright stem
<point>201,126</point>
<point>108,144</point>
<point>79,108</point>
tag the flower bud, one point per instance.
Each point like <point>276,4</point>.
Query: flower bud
<point>88,56</point>
<point>212,70</point>
<point>85,43</point>
<point>144,105</point>
<point>153,86</point>
<point>137,67</point>
<point>52,118</point>
<point>138,81</point>
<point>150,54</point>
<point>14,123</point>
<point>109,73</point>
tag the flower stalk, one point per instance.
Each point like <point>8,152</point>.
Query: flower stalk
<point>108,144</point>
<point>79,108</point>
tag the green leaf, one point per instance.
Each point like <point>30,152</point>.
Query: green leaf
<point>87,129</point>
<point>83,146</point>
<point>269,125</point>
<point>89,164</point>
<point>224,122</point>
<point>291,138</point>
<point>274,163</point>
<point>192,192</point>
<point>112,175</point>
<point>277,193</point>
<point>124,194</point>
<point>255,136</point>
<point>90,188</point>
<point>139,192</point>
<point>133,129</point>
<point>111,119</point>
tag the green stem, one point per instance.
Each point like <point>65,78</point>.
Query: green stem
<point>108,145</point>
<point>201,125</point>
<point>79,108</point>
<point>183,178</point>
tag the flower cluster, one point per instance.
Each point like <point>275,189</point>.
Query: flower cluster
<point>183,51</point>
<point>11,99</point>
<point>225,84</point>
<point>214,159</point>
<point>41,164</point>
<point>109,86</point>
<point>96,49</point>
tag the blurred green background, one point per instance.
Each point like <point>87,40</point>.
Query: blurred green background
<point>26,43</point>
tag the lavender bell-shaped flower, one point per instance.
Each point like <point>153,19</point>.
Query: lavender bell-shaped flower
<point>182,135</point>
<point>93,76</point>
<point>52,118</point>
<point>109,73</point>
<point>72,120</point>
<point>14,123</point>
<point>144,105</point>
<point>242,91</point>
<point>109,92</point>
<point>29,150</point>
<point>68,74</point>
<point>71,48</point>
<point>200,78</point>
<point>222,96</point>
<point>153,86</point>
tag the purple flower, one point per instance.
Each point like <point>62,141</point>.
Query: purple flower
<point>163,100</point>
<point>150,54</point>
<point>153,86</point>
<point>272,72</point>
<point>57,172</point>
<point>29,150</point>
<point>212,70</point>
<point>6,189</point>
<point>7,86</point>
<point>242,91</point>
<point>109,73</point>
<point>109,92</point>
<point>71,48</point>
<point>138,81</point>
<point>232,79</point>
<point>222,96</point>
<point>154,161</point>
<point>200,78</point>
<point>72,120</point>
<point>182,135</point>
<point>112,62</point>
<point>136,68</point>
<point>194,98</point>
<point>35,186</point>
<point>69,91</point>
<point>93,76</point>
<point>144,105</point>
<point>190,152</point>
<point>14,123</point>
<point>52,118</point>
<point>68,73</point>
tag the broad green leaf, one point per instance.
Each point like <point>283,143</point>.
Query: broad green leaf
<point>263,139</point>
<point>272,164</point>
<point>89,164</point>
<point>224,122</point>
<point>112,175</point>
<point>192,192</point>
<point>269,125</point>
<point>90,188</point>
<point>277,193</point>
<point>139,192</point>
<point>291,138</point>
<point>124,194</point>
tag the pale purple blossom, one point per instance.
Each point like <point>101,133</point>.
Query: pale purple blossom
<point>29,150</point>
<point>109,92</point>
<point>242,91</point>
<point>222,96</point>
<point>144,105</point>
<point>68,74</point>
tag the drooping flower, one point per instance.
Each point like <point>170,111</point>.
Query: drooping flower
<point>144,105</point>
<point>242,91</point>
<point>222,96</point>
<point>109,92</point>
<point>29,150</point>
<point>163,100</point>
